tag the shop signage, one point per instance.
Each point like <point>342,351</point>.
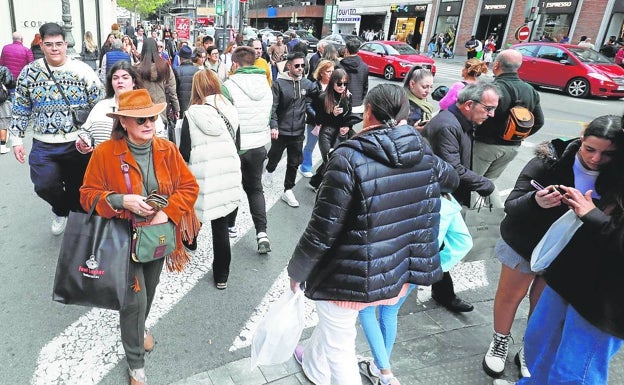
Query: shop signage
<point>182,25</point>
<point>407,8</point>
<point>496,7</point>
<point>558,6</point>
<point>450,9</point>
<point>348,15</point>
<point>523,33</point>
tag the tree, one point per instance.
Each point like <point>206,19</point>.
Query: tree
<point>144,7</point>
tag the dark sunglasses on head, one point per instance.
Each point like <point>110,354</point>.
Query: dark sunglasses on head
<point>298,65</point>
<point>141,121</point>
<point>340,84</point>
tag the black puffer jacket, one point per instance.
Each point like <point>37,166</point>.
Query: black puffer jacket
<point>184,80</point>
<point>358,77</point>
<point>526,222</point>
<point>375,223</point>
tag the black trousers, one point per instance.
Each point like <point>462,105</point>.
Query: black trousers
<point>443,290</point>
<point>294,156</point>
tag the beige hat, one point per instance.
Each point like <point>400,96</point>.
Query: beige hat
<point>137,104</point>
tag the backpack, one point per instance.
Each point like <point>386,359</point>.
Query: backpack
<point>519,122</point>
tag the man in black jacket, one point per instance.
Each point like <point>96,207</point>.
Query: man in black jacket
<point>450,134</point>
<point>184,77</point>
<point>291,99</point>
<point>492,154</point>
<point>357,71</point>
<point>316,58</point>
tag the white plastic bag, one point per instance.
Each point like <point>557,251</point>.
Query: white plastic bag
<point>554,241</point>
<point>279,332</point>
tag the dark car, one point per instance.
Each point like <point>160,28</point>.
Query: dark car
<point>393,59</point>
<point>578,71</point>
<point>305,36</point>
<point>338,39</point>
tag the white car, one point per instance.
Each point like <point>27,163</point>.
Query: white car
<point>249,33</point>
<point>270,37</point>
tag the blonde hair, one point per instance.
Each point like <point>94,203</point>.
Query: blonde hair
<point>322,66</point>
<point>89,43</point>
<point>205,83</point>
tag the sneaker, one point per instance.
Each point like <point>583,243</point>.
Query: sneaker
<point>289,197</point>
<point>264,246</point>
<point>233,232</point>
<point>58,225</point>
<point>306,174</point>
<point>267,178</point>
<point>494,360</point>
<point>503,382</point>
<point>4,149</point>
<point>137,376</point>
<point>521,362</point>
<point>369,370</point>
<point>298,354</point>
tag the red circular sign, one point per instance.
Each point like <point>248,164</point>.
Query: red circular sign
<point>523,33</point>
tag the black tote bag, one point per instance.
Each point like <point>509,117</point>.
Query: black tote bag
<point>94,267</point>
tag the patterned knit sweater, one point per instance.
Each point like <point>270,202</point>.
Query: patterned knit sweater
<point>38,100</point>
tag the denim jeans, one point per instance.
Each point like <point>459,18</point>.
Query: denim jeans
<point>382,334</point>
<point>293,146</point>
<point>251,168</point>
<point>308,149</point>
<point>329,357</point>
<point>562,348</point>
<point>57,170</point>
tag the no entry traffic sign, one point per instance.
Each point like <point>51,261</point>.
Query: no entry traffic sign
<point>523,33</point>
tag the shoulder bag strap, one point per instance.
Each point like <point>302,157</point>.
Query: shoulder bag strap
<point>125,169</point>
<point>58,86</point>
<point>225,119</point>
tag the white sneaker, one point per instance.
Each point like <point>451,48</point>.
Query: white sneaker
<point>233,232</point>
<point>267,178</point>
<point>290,199</point>
<point>58,225</point>
<point>494,360</point>
<point>503,382</point>
<point>4,149</point>
<point>306,174</point>
<point>521,362</point>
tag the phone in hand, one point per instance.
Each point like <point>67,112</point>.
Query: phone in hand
<point>538,186</point>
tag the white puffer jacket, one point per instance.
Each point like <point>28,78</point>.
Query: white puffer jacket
<point>214,159</point>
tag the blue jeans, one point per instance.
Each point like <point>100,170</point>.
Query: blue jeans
<point>562,348</point>
<point>382,334</point>
<point>308,149</point>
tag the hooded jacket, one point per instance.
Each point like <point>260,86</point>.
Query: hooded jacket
<point>208,147</point>
<point>358,77</point>
<point>375,222</point>
<point>291,100</point>
<point>253,99</point>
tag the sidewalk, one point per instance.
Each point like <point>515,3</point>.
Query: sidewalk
<point>433,347</point>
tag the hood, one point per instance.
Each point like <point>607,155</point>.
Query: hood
<point>556,149</point>
<point>201,116</point>
<point>417,59</point>
<point>247,79</point>
<point>351,64</point>
<point>398,147</point>
<point>611,70</point>
<point>296,83</point>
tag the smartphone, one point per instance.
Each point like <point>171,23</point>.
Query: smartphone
<point>86,139</point>
<point>538,186</point>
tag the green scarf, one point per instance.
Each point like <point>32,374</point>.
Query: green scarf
<point>425,106</point>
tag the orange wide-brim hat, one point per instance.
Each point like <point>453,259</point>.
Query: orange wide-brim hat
<point>137,104</point>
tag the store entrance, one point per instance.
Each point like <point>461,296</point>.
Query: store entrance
<point>492,25</point>
<point>404,25</point>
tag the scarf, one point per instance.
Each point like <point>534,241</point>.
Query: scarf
<point>423,104</point>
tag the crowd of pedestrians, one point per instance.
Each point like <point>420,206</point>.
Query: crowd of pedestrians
<point>373,234</point>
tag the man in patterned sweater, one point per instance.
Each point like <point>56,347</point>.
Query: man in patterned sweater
<point>56,167</point>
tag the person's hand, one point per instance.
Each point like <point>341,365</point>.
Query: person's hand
<point>581,204</point>
<point>344,131</point>
<point>295,286</point>
<point>337,110</point>
<point>274,133</point>
<point>159,217</point>
<point>176,115</point>
<point>136,204</point>
<point>548,197</point>
<point>83,147</point>
<point>20,153</point>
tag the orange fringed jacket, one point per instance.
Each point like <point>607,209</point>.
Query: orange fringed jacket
<point>104,177</point>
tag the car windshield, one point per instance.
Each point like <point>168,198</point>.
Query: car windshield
<point>587,55</point>
<point>401,49</point>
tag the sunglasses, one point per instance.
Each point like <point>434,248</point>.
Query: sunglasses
<point>340,84</point>
<point>298,65</point>
<point>141,121</point>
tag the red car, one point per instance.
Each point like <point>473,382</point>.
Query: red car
<point>393,59</point>
<point>578,71</point>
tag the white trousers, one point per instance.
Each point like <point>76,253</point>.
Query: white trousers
<point>329,357</point>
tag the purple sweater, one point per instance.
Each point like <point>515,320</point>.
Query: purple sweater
<point>451,96</point>
<point>15,56</point>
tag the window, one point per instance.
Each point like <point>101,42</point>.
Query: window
<point>527,50</point>
<point>547,52</point>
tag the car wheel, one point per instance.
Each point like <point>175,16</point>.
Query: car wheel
<point>577,88</point>
<point>389,73</point>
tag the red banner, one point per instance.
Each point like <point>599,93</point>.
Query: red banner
<point>183,26</point>
<point>204,20</point>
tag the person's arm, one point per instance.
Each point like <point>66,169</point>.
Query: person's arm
<point>171,92</point>
<point>21,109</point>
<point>187,189</point>
<point>276,100</point>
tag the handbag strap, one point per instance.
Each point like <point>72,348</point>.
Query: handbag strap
<point>225,119</point>
<point>125,169</point>
<point>58,86</point>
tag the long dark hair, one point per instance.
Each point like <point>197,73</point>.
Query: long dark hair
<point>389,103</point>
<point>126,66</point>
<point>149,56</point>
<point>332,98</point>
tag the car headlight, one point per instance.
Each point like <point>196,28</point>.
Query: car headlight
<point>405,64</point>
<point>600,77</point>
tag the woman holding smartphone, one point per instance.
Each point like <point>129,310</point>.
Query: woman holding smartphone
<point>579,163</point>
<point>418,84</point>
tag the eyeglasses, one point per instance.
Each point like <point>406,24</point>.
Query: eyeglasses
<point>56,44</point>
<point>298,65</point>
<point>340,84</point>
<point>487,108</point>
<point>141,121</point>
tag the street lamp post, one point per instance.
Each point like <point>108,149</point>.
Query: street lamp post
<point>67,27</point>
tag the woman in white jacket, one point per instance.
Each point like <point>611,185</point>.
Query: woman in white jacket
<point>208,144</point>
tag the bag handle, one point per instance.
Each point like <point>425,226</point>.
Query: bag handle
<point>482,202</point>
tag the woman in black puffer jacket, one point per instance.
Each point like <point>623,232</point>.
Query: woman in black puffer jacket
<point>373,231</point>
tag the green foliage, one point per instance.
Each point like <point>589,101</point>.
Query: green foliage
<point>144,7</point>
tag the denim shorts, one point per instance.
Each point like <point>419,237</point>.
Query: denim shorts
<point>510,258</point>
